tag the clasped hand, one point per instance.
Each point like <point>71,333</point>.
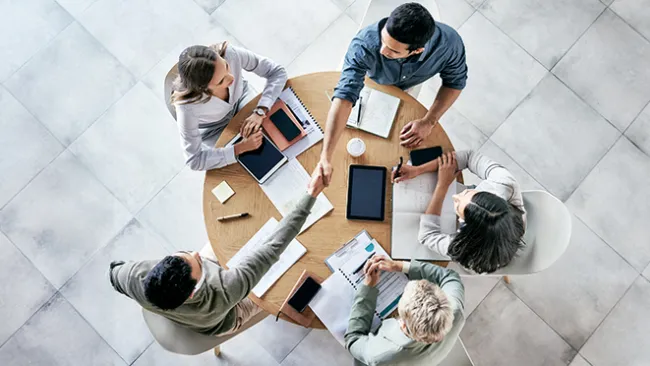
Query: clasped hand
<point>379,263</point>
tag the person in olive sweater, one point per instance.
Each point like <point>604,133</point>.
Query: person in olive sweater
<point>193,290</point>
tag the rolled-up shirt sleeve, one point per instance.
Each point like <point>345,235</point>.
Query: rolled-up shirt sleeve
<point>355,66</point>
<point>454,74</point>
<point>431,235</point>
<point>198,156</point>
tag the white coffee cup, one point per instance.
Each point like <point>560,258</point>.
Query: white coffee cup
<point>356,147</point>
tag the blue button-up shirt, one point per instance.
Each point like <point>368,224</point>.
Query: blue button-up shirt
<point>443,54</point>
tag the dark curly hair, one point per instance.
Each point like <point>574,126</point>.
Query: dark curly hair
<point>169,283</point>
<point>491,236</point>
<point>411,24</point>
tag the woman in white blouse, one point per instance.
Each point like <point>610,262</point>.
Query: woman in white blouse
<point>492,214</point>
<point>210,90</point>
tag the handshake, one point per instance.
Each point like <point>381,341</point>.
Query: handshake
<point>379,263</point>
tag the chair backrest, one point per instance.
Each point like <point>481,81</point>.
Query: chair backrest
<point>458,356</point>
<point>176,338</point>
<point>169,82</point>
<point>548,233</point>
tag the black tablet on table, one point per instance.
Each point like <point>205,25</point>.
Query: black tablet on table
<point>263,162</point>
<point>366,192</point>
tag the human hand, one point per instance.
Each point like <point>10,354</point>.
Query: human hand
<point>371,271</point>
<point>251,124</point>
<point>324,170</point>
<point>414,132</point>
<point>315,186</point>
<point>253,142</point>
<point>406,172</point>
<point>386,264</point>
<point>447,169</point>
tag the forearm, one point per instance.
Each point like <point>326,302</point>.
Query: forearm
<point>444,100</point>
<point>336,121</point>
<point>429,167</point>
<point>363,310</point>
<point>275,81</point>
<point>435,205</point>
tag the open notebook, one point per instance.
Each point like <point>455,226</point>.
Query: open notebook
<point>378,111</point>
<point>410,201</point>
<point>333,303</point>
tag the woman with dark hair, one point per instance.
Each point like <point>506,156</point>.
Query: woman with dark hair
<point>492,215</point>
<point>209,90</point>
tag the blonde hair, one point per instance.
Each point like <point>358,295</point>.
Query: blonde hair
<point>426,312</point>
<point>195,71</point>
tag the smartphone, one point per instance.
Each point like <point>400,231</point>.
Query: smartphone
<point>304,294</point>
<point>423,156</point>
<point>287,128</point>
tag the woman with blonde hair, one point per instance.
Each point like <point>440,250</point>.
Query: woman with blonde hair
<point>209,90</point>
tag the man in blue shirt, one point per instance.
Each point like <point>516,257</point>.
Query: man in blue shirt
<point>404,50</point>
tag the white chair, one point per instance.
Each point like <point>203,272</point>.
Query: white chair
<point>548,232</point>
<point>178,339</point>
<point>169,82</point>
<point>458,356</point>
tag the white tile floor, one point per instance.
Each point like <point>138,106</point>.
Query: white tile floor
<point>91,169</point>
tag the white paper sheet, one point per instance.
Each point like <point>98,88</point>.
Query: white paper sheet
<point>287,186</point>
<point>333,304</point>
<point>314,132</point>
<point>288,258</point>
<point>410,201</point>
<point>378,112</point>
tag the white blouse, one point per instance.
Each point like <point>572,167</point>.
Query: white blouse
<point>199,121</point>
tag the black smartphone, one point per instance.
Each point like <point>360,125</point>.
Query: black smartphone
<point>304,294</point>
<point>423,156</point>
<point>287,128</point>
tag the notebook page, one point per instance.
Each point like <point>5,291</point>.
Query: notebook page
<point>288,258</point>
<point>378,113</point>
<point>286,187</point>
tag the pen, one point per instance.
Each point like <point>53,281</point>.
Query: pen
<point>399,166</point>
<point>359,114</point>
<point>235,216</point>
<point>363,264</point>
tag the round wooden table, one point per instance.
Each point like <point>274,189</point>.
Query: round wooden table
<point>329,233</point>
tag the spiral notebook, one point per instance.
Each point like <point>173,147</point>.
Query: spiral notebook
<point>333,303</point>
<point>307,121</point>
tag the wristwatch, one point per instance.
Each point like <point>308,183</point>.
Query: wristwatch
<point>259,111</point>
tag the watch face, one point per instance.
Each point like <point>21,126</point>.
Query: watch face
<point>259,112</point>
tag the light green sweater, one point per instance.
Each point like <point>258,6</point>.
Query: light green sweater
<point>390,346</point>
<point>212,308</point>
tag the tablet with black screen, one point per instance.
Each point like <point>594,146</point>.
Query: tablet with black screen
<point>263,162</point>
<point>366,192</point>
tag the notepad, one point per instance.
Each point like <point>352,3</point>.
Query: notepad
<point>410,201</point>
<point>288,258</point>
<point>223,192</point>
<point>378,111</point>
<point>306,120</point>
<point>287,186</point>
<point>332,304</point>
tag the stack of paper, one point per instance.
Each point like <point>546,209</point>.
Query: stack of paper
<point>287,186</point>
<point>288,258</point>
<point>410,201</point>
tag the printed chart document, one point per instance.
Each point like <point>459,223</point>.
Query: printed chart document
<point>288,258</point>
<point>309,124</point>
<point>287,186</point>
<point>410,201</point>
<point>378,111</point>
<point>332,304</point>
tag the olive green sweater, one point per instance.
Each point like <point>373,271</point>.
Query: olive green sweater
<point>212,308</point>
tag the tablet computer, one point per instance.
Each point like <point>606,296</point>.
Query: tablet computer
<point>263,162</point>
<point>366,192</point>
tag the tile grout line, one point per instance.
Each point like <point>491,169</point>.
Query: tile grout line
<point>628,23</point>
<point>482,300</point>
<point>29,318</point>
<point>542,319</point>
<point>294,347</point>
<point>605,318</point>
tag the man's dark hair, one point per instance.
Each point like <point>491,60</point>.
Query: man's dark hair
<point>169,283</point>
<point>491,236</point>
<point>411,24</point>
